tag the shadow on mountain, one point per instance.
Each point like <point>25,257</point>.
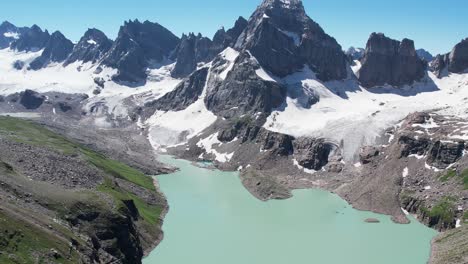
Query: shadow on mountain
<point>426,85</point>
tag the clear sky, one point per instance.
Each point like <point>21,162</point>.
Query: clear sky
<point>434,25</point>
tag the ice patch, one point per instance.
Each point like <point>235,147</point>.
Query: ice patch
<point>208,143</point>
<point>309,171</point>
<point>405,172</point>
<point>91,41</point>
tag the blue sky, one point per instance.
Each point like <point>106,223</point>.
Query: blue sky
<point>434,25</point>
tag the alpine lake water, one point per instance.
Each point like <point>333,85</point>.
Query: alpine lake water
<point>213,219</point>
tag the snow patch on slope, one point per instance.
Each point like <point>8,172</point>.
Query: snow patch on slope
<point>172,128</point>
<point>208,143</point>
<point>355,116</point>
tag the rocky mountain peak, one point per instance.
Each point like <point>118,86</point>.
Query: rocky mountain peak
<point>32,39</point>
<point>388,61</point>
<point>425,55</point>
<point>5,26</point>
<point>194,49</point>
<point>91,47</point>
<point>57,49</point>
<point>355,53</point>
<point>224,39</point>
<point>459,57</point>
<point>137,47</point>
<point>8,33</point>
<point>283,4</point>
<point>454,62</point>
<point>284,39</point>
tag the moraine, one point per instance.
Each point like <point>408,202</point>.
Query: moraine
<point>213,219</point>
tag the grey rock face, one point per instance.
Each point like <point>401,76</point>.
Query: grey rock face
<point>367,154</point>
<point>191,50</point>
<point>312,153</point>
<point>440,65</point>
<point>91,47</point>
<point>31,100</point>
<point>185,94</point>
<point>33,39</point>
<point>243,92</point>
<point>284,39</point>
<point>453,62</point>
<point>9,33</point>
<point>424,55</point>
<point>459,57</point>
<point>442,154</point>
<point>388,61</point>
<point>57,49</point>
<point>439,152</point>
<point>137,47</point>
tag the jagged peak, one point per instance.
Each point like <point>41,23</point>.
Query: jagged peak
<point>288,4</point>
<point>7,24</point>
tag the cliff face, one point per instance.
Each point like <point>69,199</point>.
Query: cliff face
<point>64,203</point>
<point>388,61</point>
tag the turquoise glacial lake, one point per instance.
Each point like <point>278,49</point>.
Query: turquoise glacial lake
<point>213,219</point>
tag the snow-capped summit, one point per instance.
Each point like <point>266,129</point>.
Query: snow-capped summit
<point>283,39</point>
<point>91,47</point>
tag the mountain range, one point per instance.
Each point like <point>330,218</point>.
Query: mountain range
<point>271,97</point>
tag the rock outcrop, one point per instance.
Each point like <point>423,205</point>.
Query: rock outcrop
<point>31,100</point>
<point>244,92</point>
<point>138,47</point>
<point>91,47</point>
<point>284,39</point>
<point>390,62</point>
<point>57,49</point>
<point>312,154</point>
<point>454,62</point>
<point>33,39</point>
